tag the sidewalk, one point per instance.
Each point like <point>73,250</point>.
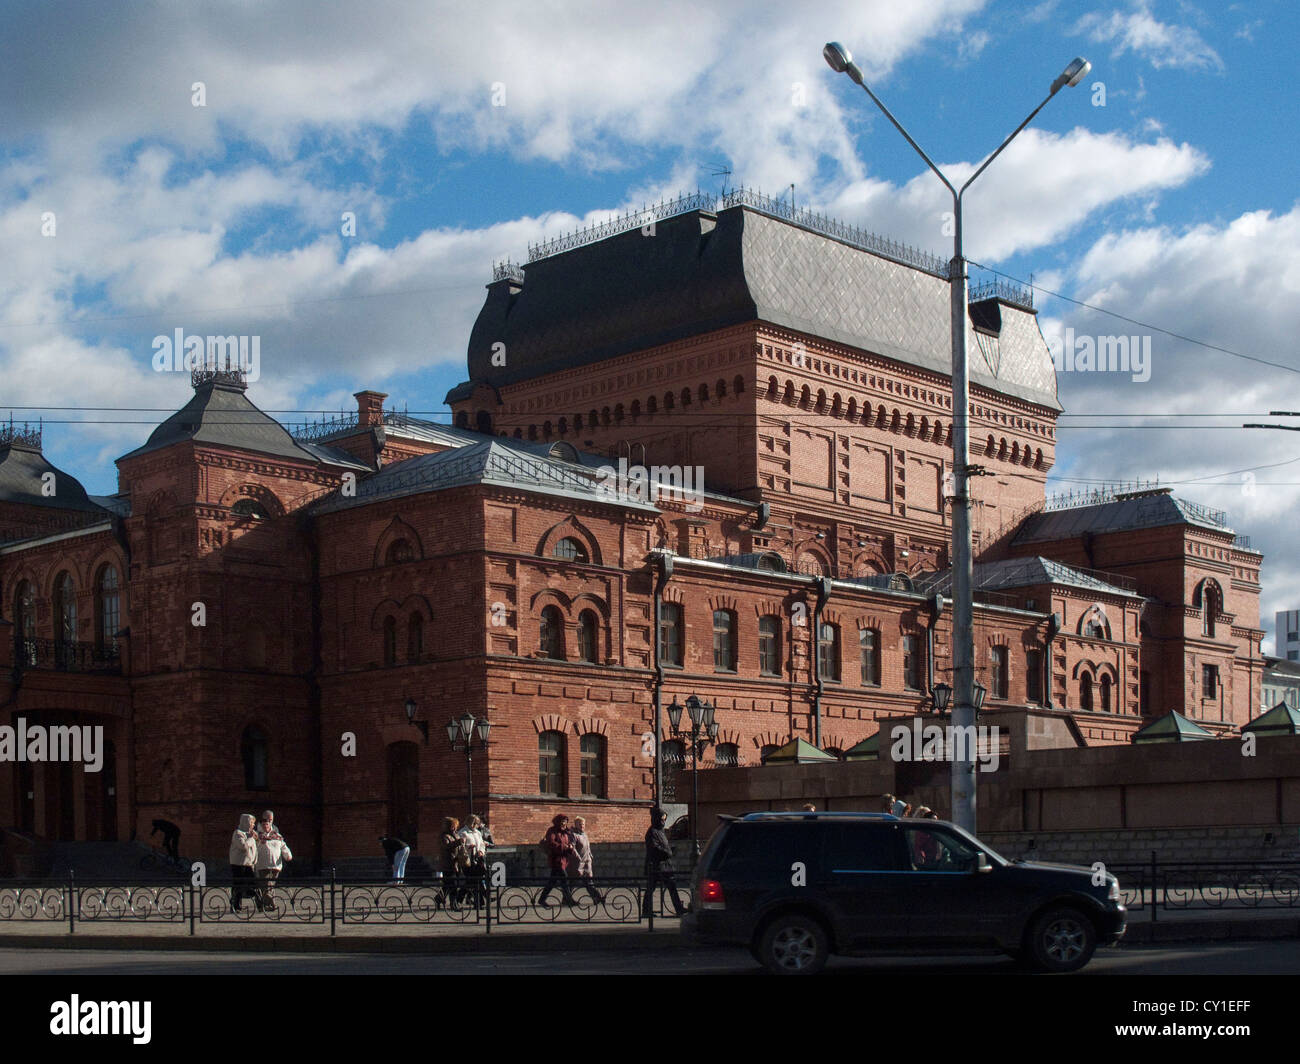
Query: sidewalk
<point>269,936</point>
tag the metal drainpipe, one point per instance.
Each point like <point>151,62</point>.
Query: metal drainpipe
<point>665,574</point>
<point>936,611</point>
<point>823,594</point>
<point>1053,627</point>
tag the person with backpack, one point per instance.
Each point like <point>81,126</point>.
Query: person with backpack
<point>659,864</point>
<point>557,843</point>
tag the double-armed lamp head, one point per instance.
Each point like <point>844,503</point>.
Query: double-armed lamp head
<point>840,60</point>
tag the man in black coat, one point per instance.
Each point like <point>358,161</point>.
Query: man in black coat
<point>658,864</point>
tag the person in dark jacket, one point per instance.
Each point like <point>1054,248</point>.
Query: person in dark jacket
<point>658,864</point>
<point>397,851</point>
<point>558,844</point>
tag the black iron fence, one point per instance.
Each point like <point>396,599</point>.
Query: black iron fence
<point>330,902</point>
<point>1206,886</point>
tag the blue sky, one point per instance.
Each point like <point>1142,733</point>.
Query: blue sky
<point>1173,203</point>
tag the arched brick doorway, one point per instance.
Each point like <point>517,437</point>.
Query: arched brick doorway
<point>404,791</point>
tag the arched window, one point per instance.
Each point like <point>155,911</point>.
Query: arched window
<point>550,763</point>
<point>998,672</point>
<point>769,645</point>
<point>828,652</point>
<point>835,752</point>
<point>869,645</point>
<point>1104,684</point>
<point>569,550</point>
<point>724,641</point>
<point>65,609</point>
<point>551,639</point>
<point>398,551</point>
<point>414,637</point>
<point>108,607</point>
<point>591,763</point>
<point>1085,691</point>
<point>254,746</point>
<point>738,385</point>
<point>25,622</point>
<point>390,640</point>
<point>766,750</point>
<point>588,637</point>
<point>249,508</point>
<point>670,633</point>
<point>1209,614</point>
<point>727,755</point>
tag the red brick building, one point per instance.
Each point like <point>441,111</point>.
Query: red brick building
<point>248,616</point>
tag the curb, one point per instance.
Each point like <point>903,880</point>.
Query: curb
<point>497,942</point>
<point>1229,930</point>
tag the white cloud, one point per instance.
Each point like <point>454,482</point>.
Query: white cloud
<point>1160,43</point>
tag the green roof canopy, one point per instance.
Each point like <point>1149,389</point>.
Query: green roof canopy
<point>1280,720</point>
<point>867,750</point>
<point>1173,727</point>
<point>797,752</point>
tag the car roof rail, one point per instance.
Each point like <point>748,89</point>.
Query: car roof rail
<point>802,815</point>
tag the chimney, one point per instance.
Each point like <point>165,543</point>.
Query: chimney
<point>370,408</point>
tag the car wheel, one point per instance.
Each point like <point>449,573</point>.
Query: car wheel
<point>1061,940</point>
<point>793,945</point>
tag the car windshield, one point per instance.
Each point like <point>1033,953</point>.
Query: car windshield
<point>976,844</point>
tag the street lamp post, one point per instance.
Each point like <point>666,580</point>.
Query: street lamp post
<point>702,733</point>
<point>964,712</point>
<point>461,734</point>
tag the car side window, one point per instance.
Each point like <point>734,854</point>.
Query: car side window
<point>862,848</point>
<point>763,852</point>
<point>933,850</point>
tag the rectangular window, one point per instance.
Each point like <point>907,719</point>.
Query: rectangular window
<point>869,643</point>
<point>670,634</point>
<point>828,652</point>
<point>1034,676</point>
<point>769,646</point>
<point>911,663</point>
<point>724,641</point>
<point>591,763</point>
<point>1209,681</point>
<point>550,763</point>
<point>998,668</point>
<point>1293,655</point>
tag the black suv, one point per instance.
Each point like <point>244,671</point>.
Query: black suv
<point>797,887</point>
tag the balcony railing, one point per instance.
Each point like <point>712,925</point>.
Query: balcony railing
<point>61,655</point>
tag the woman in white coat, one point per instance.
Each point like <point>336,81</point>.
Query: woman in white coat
<point>243,856</point>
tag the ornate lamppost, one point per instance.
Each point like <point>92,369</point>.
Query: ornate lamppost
<point>462,734</point>
<point>702,733</point>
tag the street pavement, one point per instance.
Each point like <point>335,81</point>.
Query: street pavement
<point>1222,959</point>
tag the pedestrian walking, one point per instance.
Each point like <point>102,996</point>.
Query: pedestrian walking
<point>453,849</point>
<point>397,851</point>
<point>659,864</point>
<point>582,849</point>
<point>272,852</point>
<point>558,844</point>
<point>243,858</point>
<point>475,857</point>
